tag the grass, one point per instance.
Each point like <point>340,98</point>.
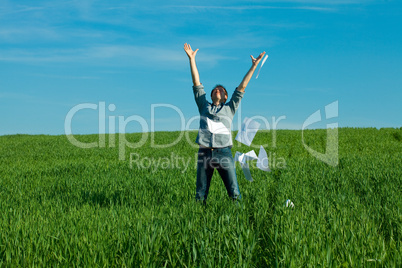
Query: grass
<point>66,206</point>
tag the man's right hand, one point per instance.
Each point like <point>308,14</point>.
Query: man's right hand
<point>190,53</point>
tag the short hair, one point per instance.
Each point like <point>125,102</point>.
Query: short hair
<point>219,85</point>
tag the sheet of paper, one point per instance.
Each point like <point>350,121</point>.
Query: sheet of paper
<point>262,63</point>
<point>289,203</point>
<point>262,162</point>
<point>247,132</point>
<point>237,157</point>
<point>217,127</point>
<point>246,171</point>
<point>242,159</point>
<point>250,156</point>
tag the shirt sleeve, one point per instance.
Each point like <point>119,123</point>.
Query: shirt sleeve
<point>235,100</point>
<point>199,95</point>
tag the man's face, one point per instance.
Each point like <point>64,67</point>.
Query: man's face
<point>219,94</point>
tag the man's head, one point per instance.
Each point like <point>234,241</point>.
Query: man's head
<point>219,93</point>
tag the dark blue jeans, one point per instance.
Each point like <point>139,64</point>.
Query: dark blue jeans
<point>222,160</point>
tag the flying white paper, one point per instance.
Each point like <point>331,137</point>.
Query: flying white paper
<point>246,171</point>
<point>242,159</point>
<point>238,157</point>
<point>250,156</point>
<point>248,130</point>
<point>262,162</point>
<point>262,63</point>
<point>217,127</point>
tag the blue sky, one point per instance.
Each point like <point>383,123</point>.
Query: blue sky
<point>55,55</point>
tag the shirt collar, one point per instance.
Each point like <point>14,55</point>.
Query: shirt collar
<point>219,105</point>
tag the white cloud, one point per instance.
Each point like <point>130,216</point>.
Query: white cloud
<point>19,34</point>
<point>8,10</point>
<point>129,55</point>
<point>313,5</point>
<point>321,2</point>
<point>194,8</point>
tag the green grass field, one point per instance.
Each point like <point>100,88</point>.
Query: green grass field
<point>66,206</point>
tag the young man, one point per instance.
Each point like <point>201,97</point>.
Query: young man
<point>214,135</point>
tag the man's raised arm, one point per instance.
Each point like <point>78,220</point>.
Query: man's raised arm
<point>194,71</point>
<point>250,72</point>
